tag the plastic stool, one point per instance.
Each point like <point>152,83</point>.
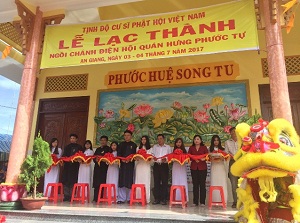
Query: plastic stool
<point>210,202</point>
<point>55,188</point>
<point>78,193</point>
<point>107,195</point>
<point>133,198</point>
<point>173,200</point>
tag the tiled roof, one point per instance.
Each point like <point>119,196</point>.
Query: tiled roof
<point>5,142</point>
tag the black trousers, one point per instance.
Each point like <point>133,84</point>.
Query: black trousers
<point>68,189</point>
<point>96,192</point>
<point>160,176</point>
<point>234,182</point>
<point>199,184</point>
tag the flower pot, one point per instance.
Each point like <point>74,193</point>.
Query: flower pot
<point>32,204</point>
<point>12,192</point>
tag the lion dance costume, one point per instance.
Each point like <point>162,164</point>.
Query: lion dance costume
<point>268,164</point>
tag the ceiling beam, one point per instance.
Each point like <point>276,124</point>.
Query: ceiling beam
<point>25,28</point>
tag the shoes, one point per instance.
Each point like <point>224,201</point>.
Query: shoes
<point>163,203</point>
<point>120,202</point>
<point>202,205</point>
<point>233,205</point>
<point>156,202</point>
<point>128,202</point>
<point>194,205</point>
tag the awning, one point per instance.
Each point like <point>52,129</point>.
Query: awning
<point>5,142</point>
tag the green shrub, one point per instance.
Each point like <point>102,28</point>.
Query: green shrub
<point>35,165</point>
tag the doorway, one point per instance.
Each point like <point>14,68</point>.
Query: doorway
<point>59,117</point>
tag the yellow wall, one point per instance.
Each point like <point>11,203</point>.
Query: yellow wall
<point>249,63</point>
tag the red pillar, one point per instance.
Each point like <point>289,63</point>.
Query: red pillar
<point>281,106</point>
<point>24,113</point>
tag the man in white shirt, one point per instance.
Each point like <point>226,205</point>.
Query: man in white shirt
<point>160,170</point>
<point>231,147</point>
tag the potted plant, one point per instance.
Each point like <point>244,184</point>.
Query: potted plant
<point>33,167</point>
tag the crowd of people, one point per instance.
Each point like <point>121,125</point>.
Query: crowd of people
<point>138,170</point>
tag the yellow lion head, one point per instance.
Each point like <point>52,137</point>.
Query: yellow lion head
<point>267,150</point>
<point>268,162</point>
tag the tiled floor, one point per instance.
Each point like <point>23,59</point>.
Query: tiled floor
<point>155,213</point>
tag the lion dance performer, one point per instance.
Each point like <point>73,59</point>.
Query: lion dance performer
<point>268,164</point>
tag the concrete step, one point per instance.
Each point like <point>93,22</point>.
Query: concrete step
<point>118,213</point>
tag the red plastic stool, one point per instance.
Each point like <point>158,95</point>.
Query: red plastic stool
<point>78,193</point>
<point>55,188</point>
<point>173,200</point>
<point>105,192</point>
<point>133,198</point>
<point>210,202</point>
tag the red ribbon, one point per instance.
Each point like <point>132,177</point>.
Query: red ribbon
<point>222,154</point>
<point>198,157</point>
<point>78,156</point>
<point>142,153</point>
<point>178,156</point>
<point>55,162</point>
<point>109,158</point>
